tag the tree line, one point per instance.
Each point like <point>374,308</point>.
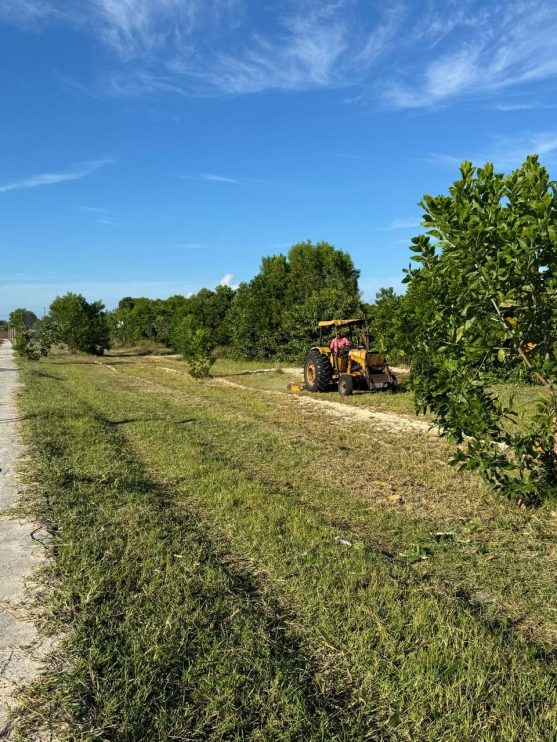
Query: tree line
<point>272,316</point>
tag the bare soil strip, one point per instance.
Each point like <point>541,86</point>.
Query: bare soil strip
<point>386,420</point>
<point>19,554</point>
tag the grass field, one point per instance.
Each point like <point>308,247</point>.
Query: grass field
<point>234,563</point>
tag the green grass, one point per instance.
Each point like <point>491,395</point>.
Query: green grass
<point>205,589</point>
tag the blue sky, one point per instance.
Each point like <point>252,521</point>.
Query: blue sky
<point>152,147</point>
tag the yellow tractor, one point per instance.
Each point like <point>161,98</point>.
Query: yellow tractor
<point>347,361</point>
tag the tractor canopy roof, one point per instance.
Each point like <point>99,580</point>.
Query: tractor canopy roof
<point>340,322</point>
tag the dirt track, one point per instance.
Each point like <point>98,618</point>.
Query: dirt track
<point>385,420</point>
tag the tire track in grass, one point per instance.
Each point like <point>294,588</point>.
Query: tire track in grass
<point>425,668</point>
<point>169,638</point>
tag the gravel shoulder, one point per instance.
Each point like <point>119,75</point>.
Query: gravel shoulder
<point>20,647</point>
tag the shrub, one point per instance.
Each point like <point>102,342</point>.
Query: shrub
<point>80,325</point>
<point>195,345</point>
<point>484,295</point>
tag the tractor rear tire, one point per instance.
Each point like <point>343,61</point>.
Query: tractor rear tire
<point>318,371</point>
<point>345,385</point>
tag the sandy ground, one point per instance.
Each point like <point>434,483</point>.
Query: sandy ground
<point>20,647</point>
<point>386,420</point>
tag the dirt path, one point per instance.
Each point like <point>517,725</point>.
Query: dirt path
<point>19,553</point>
<point>386,420</point>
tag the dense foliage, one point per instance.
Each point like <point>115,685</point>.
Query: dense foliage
<point>76,323</point>
<point>139,319</point>
<point>23,318</point>
<point>273,315</point>
<point>195,344</point>
<point>484,294</point>
<point>276,313</point>
<point>26,342</point>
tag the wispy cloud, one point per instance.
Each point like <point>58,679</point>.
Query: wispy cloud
<point>226,179</point>
<point>491,51</point>
<point>27,12</point>
<point>402,224</point>
<point>92,209</point>
<point>212,178</point>
<point>35,181</point>
<point>506,153</point>
<point>405,55</point>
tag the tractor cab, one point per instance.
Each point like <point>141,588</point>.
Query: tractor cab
<point>344,358</point>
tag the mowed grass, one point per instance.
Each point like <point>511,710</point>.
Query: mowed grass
<point>232,565</point>
<point>275,376</point>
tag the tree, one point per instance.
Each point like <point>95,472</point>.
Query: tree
<point>195,344</point>
<point>389,329</point>
<point>80,325</point>
<point>277,312</point>
<point>256,312</point>
<point>485,292</point>
<point>27,344</point>
<point>23,317</point>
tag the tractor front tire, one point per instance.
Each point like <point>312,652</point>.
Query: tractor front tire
<point>345,385</point>
<point>318,372</point>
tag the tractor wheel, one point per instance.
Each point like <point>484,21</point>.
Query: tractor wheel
<point>395,386</point>
<point>345,385</point>
<point>318,371</point>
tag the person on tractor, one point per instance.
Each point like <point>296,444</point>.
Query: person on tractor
<point>339,344</point>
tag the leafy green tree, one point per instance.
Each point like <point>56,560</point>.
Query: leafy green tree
<point>27,344</point>
<point>388,320</point>
<point>485,291</point>
<point>277,312</point>
<point>210,312</point>
<point>80,325</point>
<point>23,317</point>
<point>195,345</point>
<point>256,313</point>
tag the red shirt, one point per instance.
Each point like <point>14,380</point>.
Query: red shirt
<point>340,344</point>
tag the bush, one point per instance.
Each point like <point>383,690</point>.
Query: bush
<point>195,345</point>
<point>80,325</point>
<point>26,346</point>
<point>485,297</point>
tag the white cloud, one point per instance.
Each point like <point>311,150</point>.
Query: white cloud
<point>228,280</point>
<point>26,12</point>
<point>92,209</point>
<point>407,55</point>
<point>506,153</point>
<point>212,178</point>
<point>217,178</point>
<point>504,48</point>
<point>402,224</point>
<point>35,181</point>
